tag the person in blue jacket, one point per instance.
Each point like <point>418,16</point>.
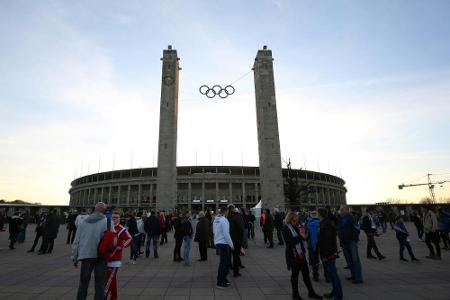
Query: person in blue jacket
<point>313,226</point>
<point>403,238</point>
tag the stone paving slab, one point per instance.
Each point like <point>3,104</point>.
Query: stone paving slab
<point>31,276</point>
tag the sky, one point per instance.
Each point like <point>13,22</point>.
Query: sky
<point>362,89</point>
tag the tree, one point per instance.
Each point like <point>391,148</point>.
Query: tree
<point>296,191</point>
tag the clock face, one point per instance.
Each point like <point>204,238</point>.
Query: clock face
<point>168,80</point>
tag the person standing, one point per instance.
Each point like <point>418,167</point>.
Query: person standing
<point>278,222</point>
<point>136,235</point>
<point>430,227</point>
<point>39,230</point>
<point>370,228</point>
<point>251,225</point>
<point>72,229</point>
<point>222,242</point>
<point>15,222</point>
<point>111,247</point>
<point>313,226</point>
<point>152,229</point>
<point>328,252</point>
<point>416,218</point>
<point>202,236</point>
<point>50,232</point>
<point>178,235</point>
<point>444,227</point>
<point>268,228</point>
<point>163,226</point>
<point>85,249</point>
<point>187,237</point>
<point>348,231</point>
<point>296,256</point>
<point>403,238</point>
<point>262,221</point>
<point>236,232</point>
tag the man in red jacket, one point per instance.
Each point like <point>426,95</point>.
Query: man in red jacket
<point>111,246</point>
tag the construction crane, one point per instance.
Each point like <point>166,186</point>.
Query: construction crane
<point>430,185</point>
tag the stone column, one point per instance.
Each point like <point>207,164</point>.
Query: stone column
<point>271,178</point>
<point>167,149</point>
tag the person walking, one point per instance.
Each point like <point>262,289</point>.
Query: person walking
<point>403,238</point>
<point>348,232</point>
<point>296,256</point>
<point>15,222</point>
<point>39,230</point>
<point>430,227</point>
<point>370,228</point>
<point>152,229</point>
<point>187,237</point>
<point>313,226</point>
<point>278,222</point>
<point>327,246</point>
<point>236,232</point>
<point>268,228</point>
<point>49,233</point>
<point>85,249</point>
<point>72,229</point>
<point>202,236</point>
<point>111,247</point>
<point>222,242</point>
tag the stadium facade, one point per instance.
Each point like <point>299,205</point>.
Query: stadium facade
<point>199,187</point>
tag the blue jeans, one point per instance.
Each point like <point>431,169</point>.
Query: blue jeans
<point>351,253</point>
<point>330,269</point>
<point>186,249</point>
<point>135,247</point>
<point>150,238</point>
<point>223,264</point>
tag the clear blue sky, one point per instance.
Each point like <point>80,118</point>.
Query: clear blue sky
<point>363,89</point>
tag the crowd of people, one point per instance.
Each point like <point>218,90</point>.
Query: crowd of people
<point>313,240</point>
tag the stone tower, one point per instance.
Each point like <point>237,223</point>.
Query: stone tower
<point>271,179</point>
<point>166,192</point>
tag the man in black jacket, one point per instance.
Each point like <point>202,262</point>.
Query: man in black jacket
<point>348,230</point>
<point>72,229</point>
<point>39,230</point>
<point>278,221</point>
<point>370,228</point>
<point>202,236</point>
<point>328,252</point>
<point>236,233</point>
<point>50,232</point>
<point>268,227</point>
<point>152,229</point>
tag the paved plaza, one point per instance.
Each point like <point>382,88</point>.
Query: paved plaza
<point>31,276</point>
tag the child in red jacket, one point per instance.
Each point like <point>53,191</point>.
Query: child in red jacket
<point>111,247</point>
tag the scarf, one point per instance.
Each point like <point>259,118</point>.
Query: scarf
<point>299,247</point>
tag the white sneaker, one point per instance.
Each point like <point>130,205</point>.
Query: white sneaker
<point>133,262</point>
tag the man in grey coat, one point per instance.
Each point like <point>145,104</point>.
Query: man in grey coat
<point>85,249</point>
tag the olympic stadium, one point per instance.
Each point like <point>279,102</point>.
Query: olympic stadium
<point>199,187</point>
<point>168,186</point>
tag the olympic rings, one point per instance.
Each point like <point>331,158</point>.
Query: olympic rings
<point>216,90</point>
